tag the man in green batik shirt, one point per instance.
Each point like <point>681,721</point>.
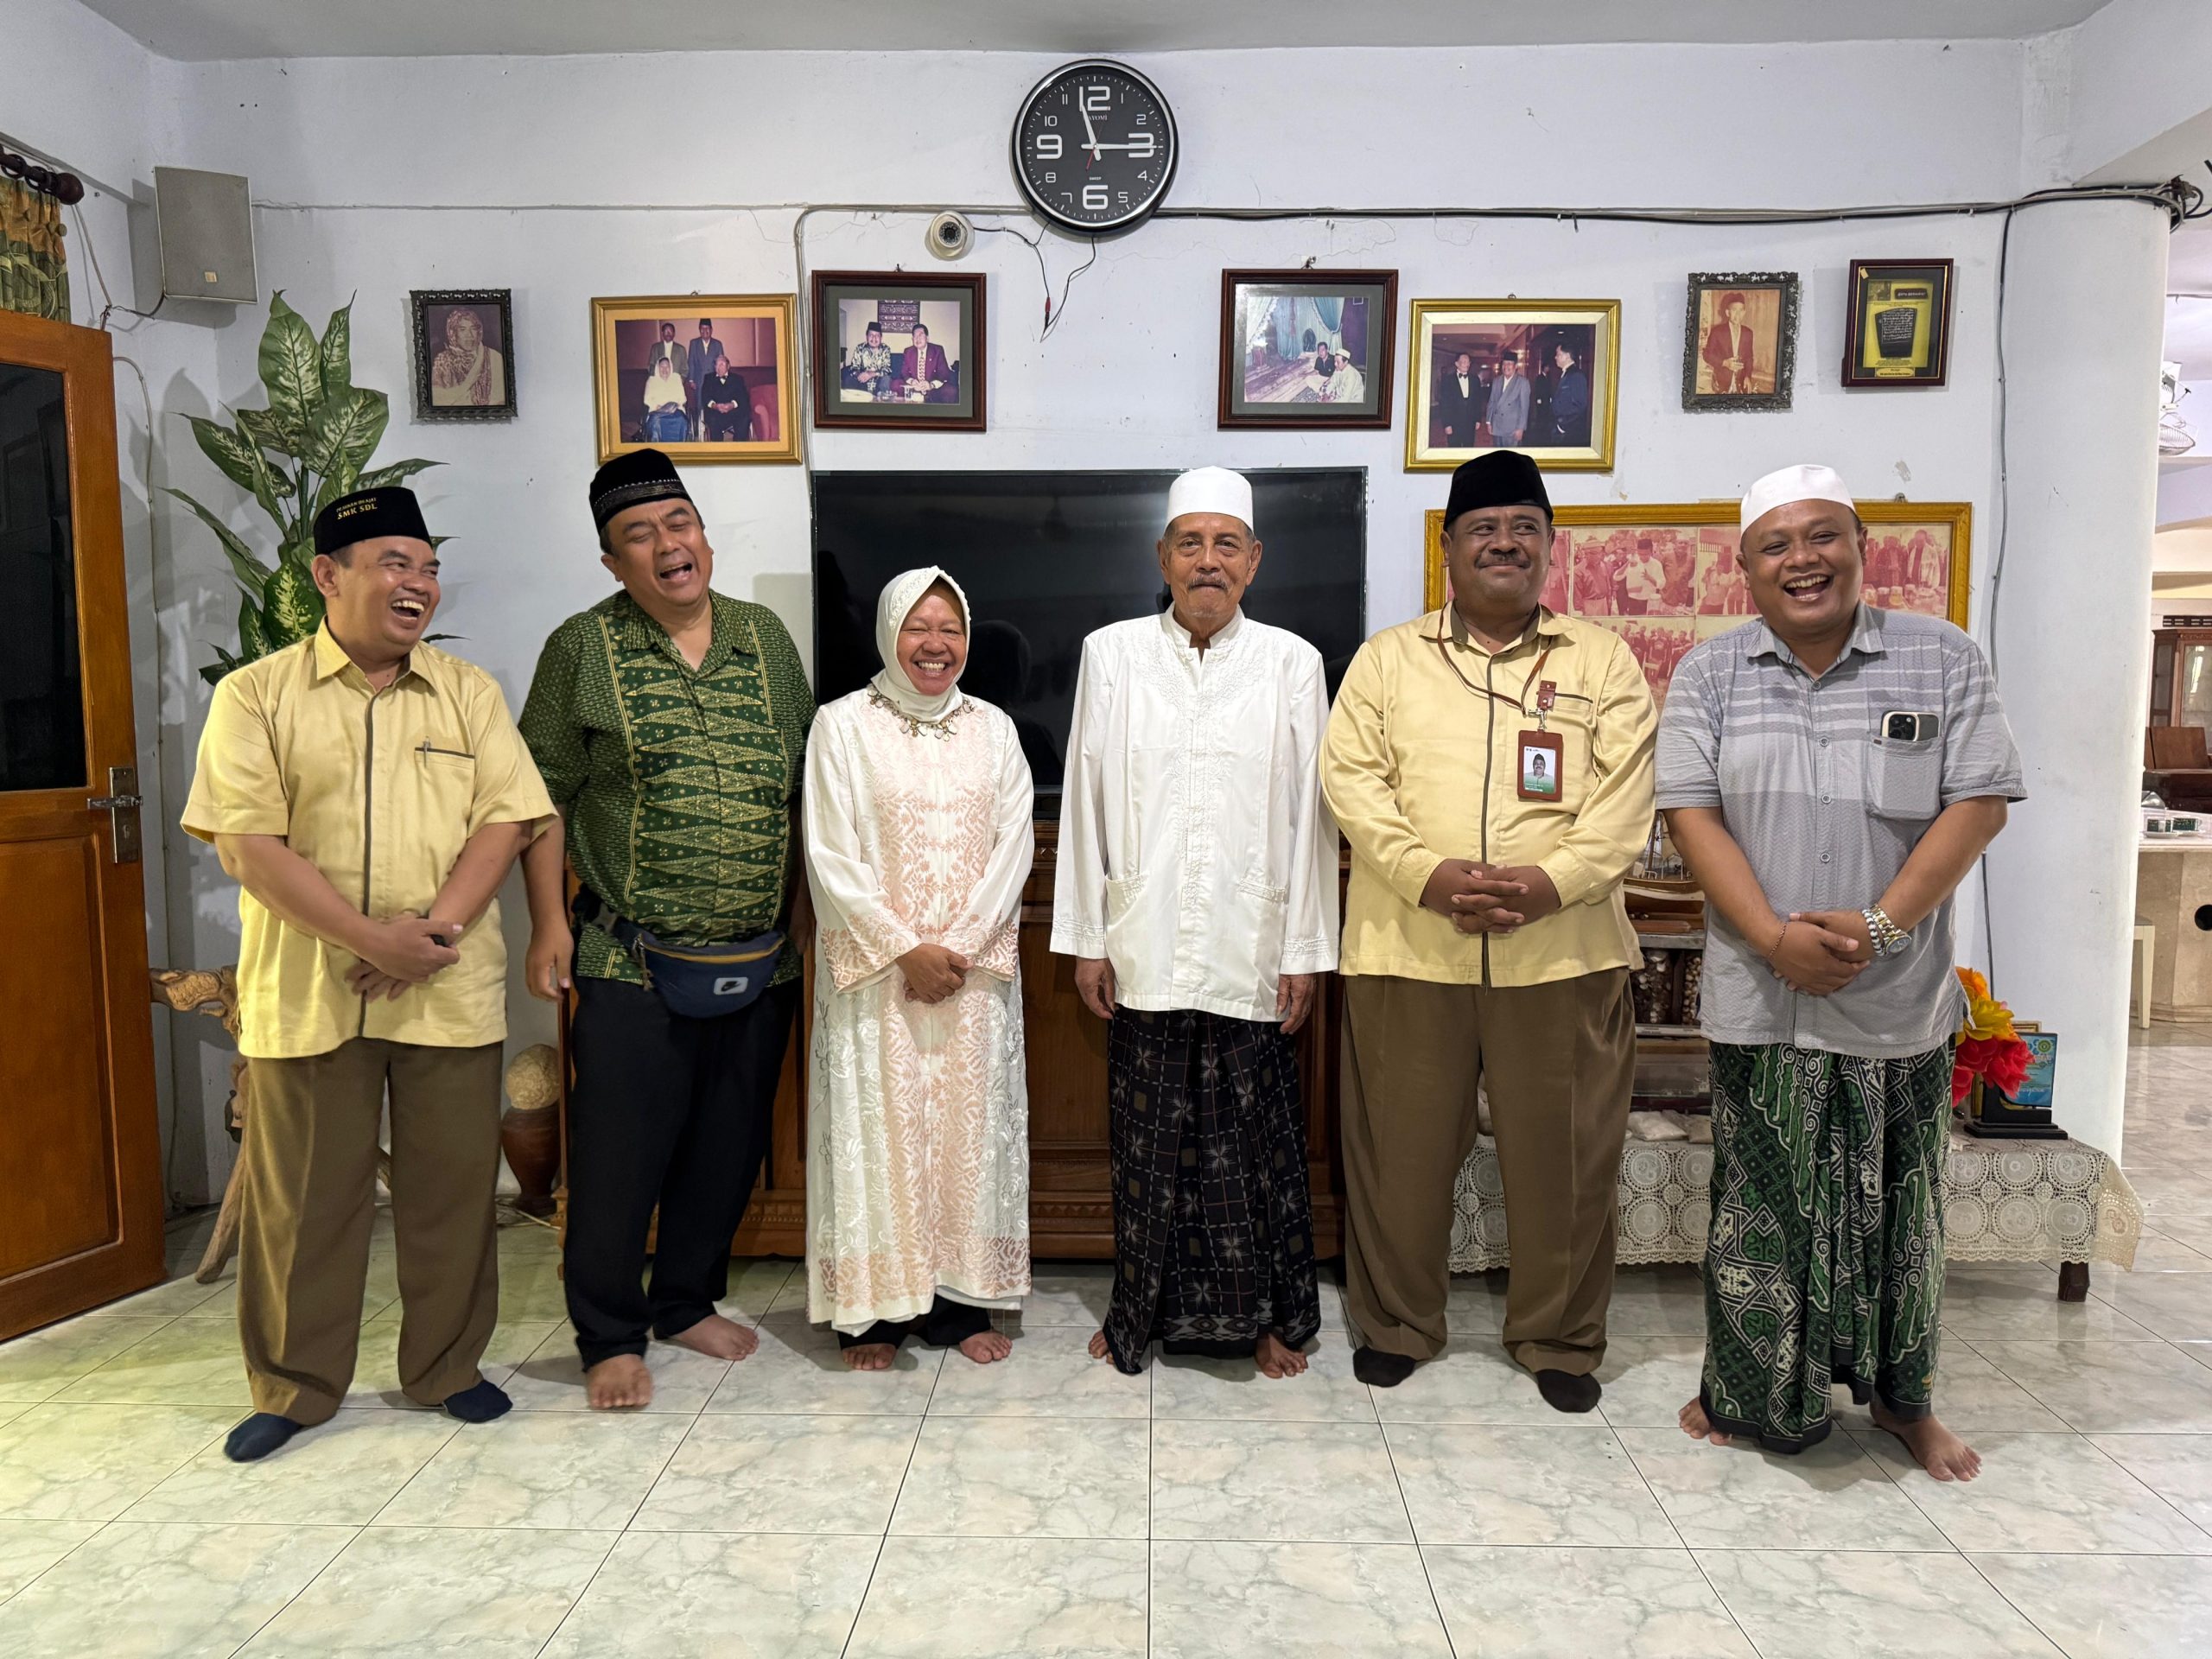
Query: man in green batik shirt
<point>670,724</point>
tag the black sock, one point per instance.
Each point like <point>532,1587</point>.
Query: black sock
<point>478,1404</point>
<point>259,1435</point>
<point>1564,1391</point>
<point>1380,1371</point>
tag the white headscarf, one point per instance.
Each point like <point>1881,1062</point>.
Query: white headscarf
<point>899,596</point>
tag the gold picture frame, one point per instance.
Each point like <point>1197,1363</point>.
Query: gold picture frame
<point>1489,332</point>
<point>1904,535</point>
<point>757,336</point>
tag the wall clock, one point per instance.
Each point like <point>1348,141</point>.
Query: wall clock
<point>1093,147</point>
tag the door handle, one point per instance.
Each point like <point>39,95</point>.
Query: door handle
<point>121,804</point>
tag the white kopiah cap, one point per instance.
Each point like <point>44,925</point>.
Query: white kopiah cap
<point>1212,489</point>
<point>1793,483</point>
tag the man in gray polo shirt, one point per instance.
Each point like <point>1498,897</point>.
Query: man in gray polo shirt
<point>1830,773</point>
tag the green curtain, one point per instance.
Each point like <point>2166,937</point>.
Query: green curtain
<point>34,269</point>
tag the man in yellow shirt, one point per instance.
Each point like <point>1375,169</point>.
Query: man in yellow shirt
<point>369,793</point>
<point>1485,938</point>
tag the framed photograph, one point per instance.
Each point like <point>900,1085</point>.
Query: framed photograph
<point>1307,348</point>
<point>1539,376</point>
<point>464,353</point>
<point>1899,333</point>
<point>1665,577</point>
<point>703,376</point>
<point>1739,341</point>
<point>896,348</point>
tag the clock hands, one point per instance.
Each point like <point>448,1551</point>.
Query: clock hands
<point>1091,138</point>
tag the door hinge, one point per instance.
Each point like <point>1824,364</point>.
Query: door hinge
<point>121,804</point>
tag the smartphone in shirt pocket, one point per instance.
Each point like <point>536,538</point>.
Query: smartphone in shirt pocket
<point>1904,766</point>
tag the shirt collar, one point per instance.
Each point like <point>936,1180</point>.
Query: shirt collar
<point>1179,635</point>
<point>330,659</point>
<point>1549,625</point>
<point>641,632</point>
<point>1865,639</point>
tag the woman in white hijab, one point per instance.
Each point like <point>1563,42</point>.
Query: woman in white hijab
<point>918,838</point>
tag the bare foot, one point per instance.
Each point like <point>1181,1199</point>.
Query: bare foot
<point>1696,1425</point>
<point>1941,1453</point>
<point>870,1357</point>
<point>1276,1358</point>
<point>1098,1348</point>
<point>621,1383</point>
<point>716,1336</point>
<point>985,1346</point>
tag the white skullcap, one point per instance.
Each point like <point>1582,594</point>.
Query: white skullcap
<point>1212,489</point>
<point>1779,489</point>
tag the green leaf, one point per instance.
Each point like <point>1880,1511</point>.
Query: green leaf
<point>252,574</point>
<point>346,436</point>
<point>338,352</point>
<point>293,608</point>
<point>239,458</point>
<point>291,369</point>
<point>253,641</point>
<point>437,542</point>
<point>382,477</point>
<point>213,672</point>
<point>272,431</point>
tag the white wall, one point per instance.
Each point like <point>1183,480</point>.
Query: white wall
<point>377,176</point>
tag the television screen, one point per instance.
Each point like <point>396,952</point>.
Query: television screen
<point>1047,557</point>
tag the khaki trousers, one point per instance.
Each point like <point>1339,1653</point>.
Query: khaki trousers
<point>1559,1062</point>
<point>310,1157</point>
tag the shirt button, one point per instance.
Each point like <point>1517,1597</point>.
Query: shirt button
<point>1824,858</point>
<point>1824,800</point>
<point>1824,742</point>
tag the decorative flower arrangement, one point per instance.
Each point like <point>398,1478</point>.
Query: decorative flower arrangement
<point>1989,1050</point>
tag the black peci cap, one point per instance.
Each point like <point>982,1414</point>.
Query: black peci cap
<point>365,515</point>
<point>1502,478</point>
<point>631,480</point>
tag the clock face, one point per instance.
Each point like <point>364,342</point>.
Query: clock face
<point>1094,146</point>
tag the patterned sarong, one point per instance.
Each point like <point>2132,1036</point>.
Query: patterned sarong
<point>1213,1223</point>
<point>1825,1263</point>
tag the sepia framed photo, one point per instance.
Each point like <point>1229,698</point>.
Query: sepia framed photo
<point>896,348</point>
<point>1539,376</point>
<point>1900,332</point>
<point>1665,576</point>
<point>1307,348</point>
<point>464,353</point>
<point>703,376</point>
<point>1739,341</point>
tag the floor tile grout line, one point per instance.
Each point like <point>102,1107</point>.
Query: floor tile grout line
<point>883,1539</point>
<point>2187,1519</point>
<point>312,1578</point>
<point>1675,1527</point>
<point>1998,1590</point>
<point>1406,1503</point>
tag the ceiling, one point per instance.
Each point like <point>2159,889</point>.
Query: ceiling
<point>289,28</point>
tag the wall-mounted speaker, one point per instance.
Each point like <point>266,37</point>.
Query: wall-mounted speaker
<point>206,223</point>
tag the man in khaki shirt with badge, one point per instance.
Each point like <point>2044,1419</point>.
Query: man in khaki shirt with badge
<point>1491,764</point>
<point>369,793</point>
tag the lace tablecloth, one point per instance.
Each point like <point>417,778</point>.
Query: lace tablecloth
<point>2003,1201</point>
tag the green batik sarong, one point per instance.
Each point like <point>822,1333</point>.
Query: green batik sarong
<point>1825,1263</point>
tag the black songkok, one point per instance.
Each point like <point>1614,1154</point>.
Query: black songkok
<point>1502,478</point>
<point>631,480</point>
<point>365,515</point>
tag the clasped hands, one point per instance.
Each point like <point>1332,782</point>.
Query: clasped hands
<point>1481,898</point>
<point>933,972</point>
<point>403,950</point>
<point>1818,952</point>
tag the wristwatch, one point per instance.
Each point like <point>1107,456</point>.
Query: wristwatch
<point>1887,937</point>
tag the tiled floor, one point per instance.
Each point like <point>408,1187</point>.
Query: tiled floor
<point>1048,1506</point>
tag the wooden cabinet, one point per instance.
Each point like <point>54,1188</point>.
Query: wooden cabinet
<point>1070,1208</point>
<point>2180,677</point>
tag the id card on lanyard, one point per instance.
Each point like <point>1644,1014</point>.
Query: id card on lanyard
<point>1539,757</point>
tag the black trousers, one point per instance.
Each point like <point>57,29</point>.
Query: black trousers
<point>946,1323</point>
<point>669,1113</point>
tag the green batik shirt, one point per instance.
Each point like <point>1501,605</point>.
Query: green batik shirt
<point>676,783</point>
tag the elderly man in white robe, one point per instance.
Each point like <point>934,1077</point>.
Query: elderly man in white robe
<point>1196,888</point>
<point>918,836</point>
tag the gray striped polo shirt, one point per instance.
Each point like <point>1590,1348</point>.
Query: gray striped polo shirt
<point>1826,809</point>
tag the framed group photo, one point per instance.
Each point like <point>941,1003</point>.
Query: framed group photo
<point>895,349</point>
<point>704,377</point>
<point>1665,576</point>
<point>1899,333</point>
<point>1307,348</point>
<point>464,353</point>
<point>1739,341</point>
<point>1539,376</point>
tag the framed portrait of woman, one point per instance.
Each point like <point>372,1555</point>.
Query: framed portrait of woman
<point>701,377</point>
<point>464,353</point>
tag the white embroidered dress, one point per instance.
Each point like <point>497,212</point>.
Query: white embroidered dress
<point>918,1115</point>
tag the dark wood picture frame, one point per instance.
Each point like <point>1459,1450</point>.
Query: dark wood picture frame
<point>420,303</point>
<point>1233,409</point>
<point>1694,328</point>
<point>833,412</point>
<point>1862,370</point>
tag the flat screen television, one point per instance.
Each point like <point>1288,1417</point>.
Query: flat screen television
<point>1046,557</point>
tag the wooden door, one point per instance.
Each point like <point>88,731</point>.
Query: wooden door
<point>80,1198</point>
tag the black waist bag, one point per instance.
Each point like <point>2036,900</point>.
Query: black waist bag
<point>699,982</point>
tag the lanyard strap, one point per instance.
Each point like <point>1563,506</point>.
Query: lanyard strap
<point>1520,702</point>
